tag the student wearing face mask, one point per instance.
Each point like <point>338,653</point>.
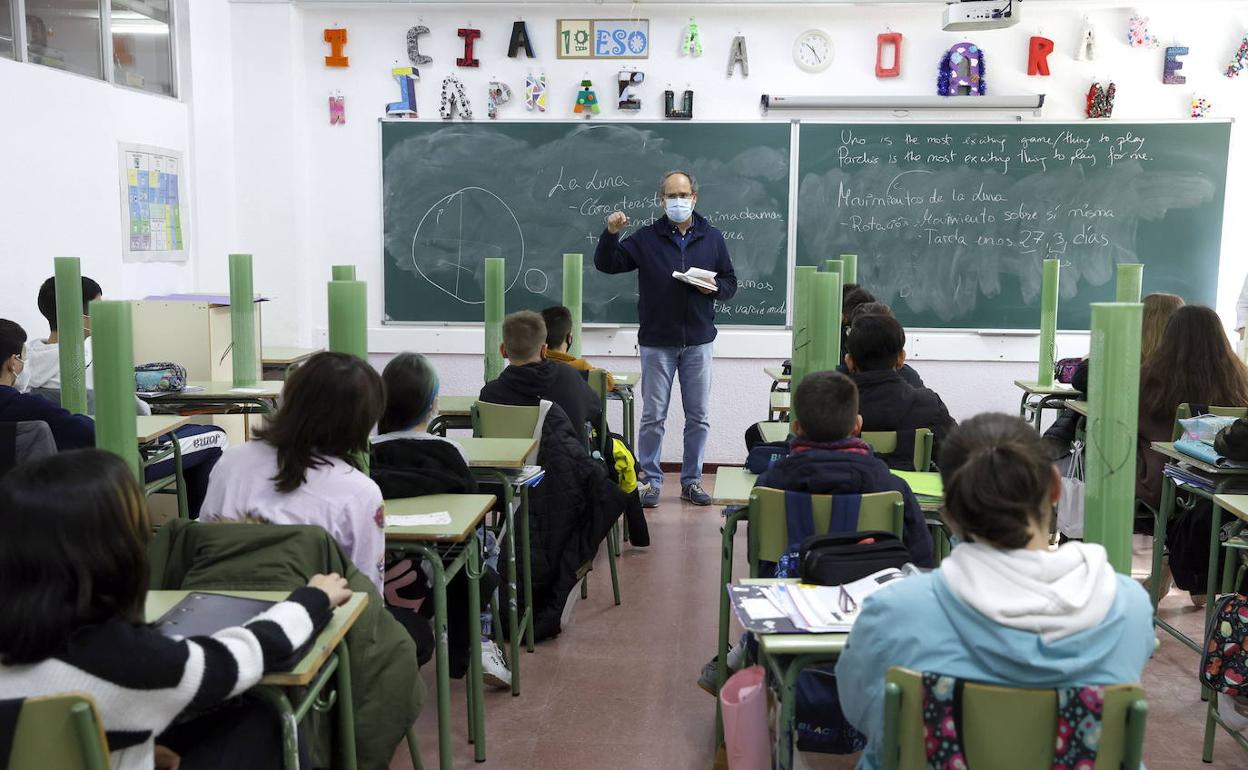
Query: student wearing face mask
<point>677,323</point>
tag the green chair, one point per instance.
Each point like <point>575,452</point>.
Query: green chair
<point>1007,726</point>
<point>61,731</point>
<point>769,529</point>
<point>885,442</point>
<point>597,379</point>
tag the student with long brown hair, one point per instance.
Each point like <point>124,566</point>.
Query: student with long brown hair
<point>305,467</point>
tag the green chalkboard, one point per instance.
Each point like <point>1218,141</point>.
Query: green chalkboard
<point>952,222</point>
<point>456,193</point>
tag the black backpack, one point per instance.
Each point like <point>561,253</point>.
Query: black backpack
<point>836,558</point>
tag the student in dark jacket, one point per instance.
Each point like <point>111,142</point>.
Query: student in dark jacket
<point>69,431</point>
<point>906,371</point>
<point>876,351</point>
<point>827,457</point>
<point>530,377</point>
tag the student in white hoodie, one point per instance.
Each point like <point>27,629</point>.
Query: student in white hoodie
<point>1003,607</point>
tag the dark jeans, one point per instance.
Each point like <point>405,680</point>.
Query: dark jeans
<point>241,734</point>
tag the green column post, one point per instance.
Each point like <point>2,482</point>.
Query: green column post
<point>495,307</point>
<point>825,322</point>
<point>69,332</point>
<point>348,318</point>
<point>1048,323</point>
<point>573,264</point>
<point>833,266</point>
<point>1130,282</point>
<point>849,272</point>
<point>801,317</point>
<point>242,320</point>
<point>1113,401</point>
<point>342,272</point>
<point>113,360</point>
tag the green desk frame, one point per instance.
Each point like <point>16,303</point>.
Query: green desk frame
<point>1037,398</point>
<point>786,656</point>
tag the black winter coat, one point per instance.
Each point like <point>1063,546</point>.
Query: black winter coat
<point>553,381</point>
<point>413,467</point>
<point>886,402</point>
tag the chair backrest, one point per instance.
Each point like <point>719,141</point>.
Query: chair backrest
<point>769,527</point>
<point>23,442</point>
<point>884,442</point>
<point>1185,412</point>
<point>598,383</point>
<point>1007,726</point>
<point>503,421</point>
<point>61,731</point>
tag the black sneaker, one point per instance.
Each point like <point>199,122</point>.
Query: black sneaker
<point>694,493</point>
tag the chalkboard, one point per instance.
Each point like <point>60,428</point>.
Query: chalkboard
<point>456,193</point>
<point>951,222</point>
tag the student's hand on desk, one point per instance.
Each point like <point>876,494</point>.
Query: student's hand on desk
<point>617,222</point>
<point>166,759</point>
<point>335,587</point>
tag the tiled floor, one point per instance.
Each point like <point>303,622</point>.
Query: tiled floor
<point>617,689</point>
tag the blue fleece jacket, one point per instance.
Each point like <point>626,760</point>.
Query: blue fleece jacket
<point>920,624</point>
<point>672,313</point>
<point>70,431</point>
<point>835,472</point>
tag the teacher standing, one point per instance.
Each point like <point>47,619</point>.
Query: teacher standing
<point>677,324</point>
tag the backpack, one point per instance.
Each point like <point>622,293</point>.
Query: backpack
<point>163,377</point>
<point>1064,370</point>
<point>843,557</point>
<point>1224,663</point>
<point>763,456</point>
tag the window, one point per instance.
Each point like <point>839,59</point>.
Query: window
<point>7,45</point>
<point>65,34</point>
<point>142,49</point>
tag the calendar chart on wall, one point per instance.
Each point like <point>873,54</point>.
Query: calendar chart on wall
<point>152,192</point>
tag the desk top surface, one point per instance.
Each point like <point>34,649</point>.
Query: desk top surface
<point>777,373</point>
<point>1078,407</point>
<point>1056,389</point>
<point>1236,505</point>
<point>285,356</point>
<point>1167,450</point>
<point>733,486</point>
<point>151,427</point>
<point>302,673</point>
<point>466,513</point>
<point>497,452</point>
<point>266,389</point>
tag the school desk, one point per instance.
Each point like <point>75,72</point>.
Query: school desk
<point>1223,480</point>
<point>1036,398</point>
<point>774,432</point>
<point>779,380</point>
<point>149,429</point>
<point>222,397</point>
<point>778,404</point>
<point>306,680</point>
<point>625,384</point>
<point>448,548</point>
<point>732,486</point>
<point>276,361</point>
<point>786,655</point>
<point>490,459</point>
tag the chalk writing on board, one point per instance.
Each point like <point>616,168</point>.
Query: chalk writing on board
<point>959,210</point>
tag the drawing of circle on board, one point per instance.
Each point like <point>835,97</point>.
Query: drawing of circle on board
<point>457,233</point>
<point>536,281</point>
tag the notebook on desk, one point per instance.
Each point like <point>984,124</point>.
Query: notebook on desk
<point>204,614</point>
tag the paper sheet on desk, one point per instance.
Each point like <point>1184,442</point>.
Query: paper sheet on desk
<point>418,519</point>
<point>248,390</point>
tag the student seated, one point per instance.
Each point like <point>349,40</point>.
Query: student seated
<point>906,371</point>
<point>409,461</point>
<point>44,364</point>
<point>827,458</point>
<point>558,320</point>
<point>75,431</point>
<point>573,508</point>
<point>304,467</point>
<point>74,566</point>
<point>1003,608</point>
<point>531,376</point>
<point>876,351</point>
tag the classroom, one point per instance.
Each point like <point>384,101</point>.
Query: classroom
<point>734,384</point>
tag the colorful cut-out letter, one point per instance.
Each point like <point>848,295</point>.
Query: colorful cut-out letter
<point>337,111</point>
<point>1170,74</point>
<point>628,80</point>
<point>519,39</point>
<point>586,100</point>
<point>453,96</point>
<point>737,55</point>
<point>686,105</point>
<point>405,107</point>
<point>497,95</point>
<point>535,92</point>
<point>882,43</point>
<point>337,39</point>
<point>469,35</point>
<point>413,46</point>
<point>1038,56</point>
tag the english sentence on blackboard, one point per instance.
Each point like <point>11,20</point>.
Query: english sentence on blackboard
<point>991,151</point>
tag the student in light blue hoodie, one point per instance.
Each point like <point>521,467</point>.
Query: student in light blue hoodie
<point>1003,607</point>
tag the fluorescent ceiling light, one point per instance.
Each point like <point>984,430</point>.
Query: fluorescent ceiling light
<point>151,27</point>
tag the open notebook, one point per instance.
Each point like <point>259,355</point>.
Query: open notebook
<point>696,276</point>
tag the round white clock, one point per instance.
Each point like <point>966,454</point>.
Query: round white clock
<point>812,51</point>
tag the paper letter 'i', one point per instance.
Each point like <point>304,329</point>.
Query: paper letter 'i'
<point>469,35</point>
<point>337,39</point>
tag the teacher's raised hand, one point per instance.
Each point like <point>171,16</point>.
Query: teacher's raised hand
<point>617,222</point>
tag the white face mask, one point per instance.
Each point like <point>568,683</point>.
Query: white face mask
<point>678,209</point>
<point>22,382</point>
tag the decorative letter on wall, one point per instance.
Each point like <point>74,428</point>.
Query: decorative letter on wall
<point>1239,61</point>
<point>628,80</point>
<point>586,100</point>
<point>468,59</point>
<point>1170,75</point>
<point>497,95</point>
<point>535,92</point>
<point>337,39</point>
<point>1101,101</point>
<point>882,43</point>
<point>1038,56</point>
<point>737,55</point>
<point>405,107</point>
<point>1138,35</point>
<point>1086,50</point>
<point>691,43</point>
<point>1200,107</point>
<point>337,111</point>
<point>453,96</point>
<point>962,72</point>
<point>413,46</point>
<point>686,105</point>
<point>519,39</point>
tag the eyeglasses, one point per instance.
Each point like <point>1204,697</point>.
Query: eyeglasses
<point>679,196</point>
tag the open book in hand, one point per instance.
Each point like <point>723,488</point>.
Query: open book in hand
<point>696,276</point>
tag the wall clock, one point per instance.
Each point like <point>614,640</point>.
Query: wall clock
<point>812,51</point>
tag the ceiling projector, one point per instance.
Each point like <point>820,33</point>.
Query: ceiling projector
<point>979,14</point>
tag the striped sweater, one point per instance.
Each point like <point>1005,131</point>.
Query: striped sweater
<point>142,680</point>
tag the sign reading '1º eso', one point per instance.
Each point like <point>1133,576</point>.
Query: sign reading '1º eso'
<point>602,38</point>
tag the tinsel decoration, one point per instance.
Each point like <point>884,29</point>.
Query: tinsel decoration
<point>962,72</point>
